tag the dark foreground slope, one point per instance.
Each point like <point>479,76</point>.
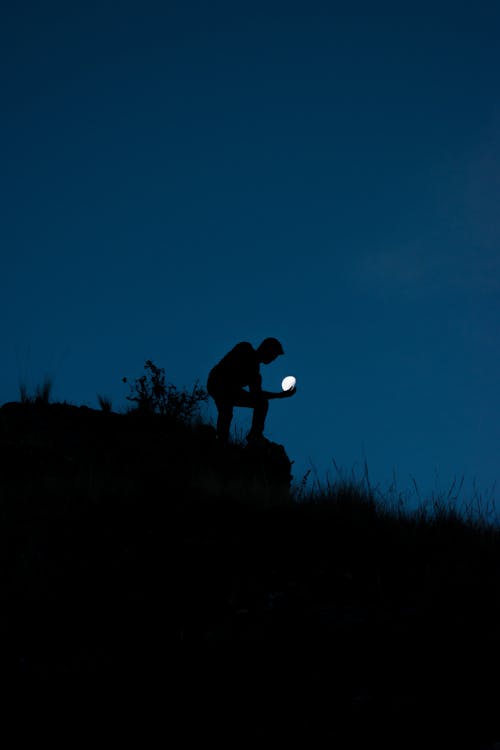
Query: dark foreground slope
<point>134,550</point>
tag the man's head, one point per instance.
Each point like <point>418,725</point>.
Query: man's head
<point>268,350</point>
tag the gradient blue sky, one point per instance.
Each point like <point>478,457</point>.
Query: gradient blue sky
<point>177,177</point>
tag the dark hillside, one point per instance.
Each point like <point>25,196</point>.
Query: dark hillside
<point>132,546</point>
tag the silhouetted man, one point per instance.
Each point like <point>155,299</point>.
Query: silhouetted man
<point>228,379</point>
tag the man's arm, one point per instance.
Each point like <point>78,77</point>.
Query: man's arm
<point>256,388</point>
<point>282,394</point>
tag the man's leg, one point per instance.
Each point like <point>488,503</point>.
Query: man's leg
<point>240,397</point>
<point>224,418</point>
<point>260,406</point>
<point>260,410</point>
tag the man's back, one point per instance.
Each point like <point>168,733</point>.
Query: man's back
<point>239,368</point>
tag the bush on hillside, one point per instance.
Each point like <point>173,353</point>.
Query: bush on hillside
<point>153,395</point>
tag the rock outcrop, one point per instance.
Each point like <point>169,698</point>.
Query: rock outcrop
<point>78,449</point>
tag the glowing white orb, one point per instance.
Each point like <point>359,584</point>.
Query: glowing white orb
<point>288,383</point>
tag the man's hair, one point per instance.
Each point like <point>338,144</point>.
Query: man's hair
<point>272,345</point>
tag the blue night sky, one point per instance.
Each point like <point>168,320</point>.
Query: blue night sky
<point>179,176</point>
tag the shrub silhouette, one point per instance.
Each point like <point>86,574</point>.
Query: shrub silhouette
<point>105,403</point>
<point>42,393</point>
<point>153,395</point>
